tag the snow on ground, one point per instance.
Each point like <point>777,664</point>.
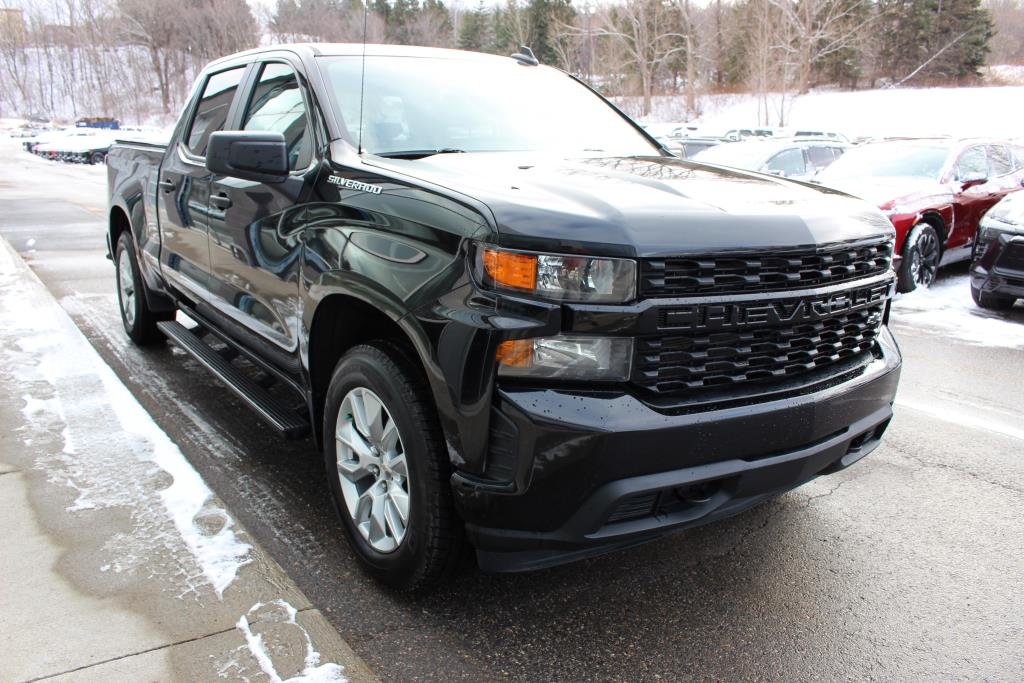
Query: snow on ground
<point>960,112</point>
<point>114,455</point>
<point>280,611</point>
<point>947,308</point>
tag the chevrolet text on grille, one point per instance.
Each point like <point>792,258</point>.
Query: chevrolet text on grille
<point>741,314</point>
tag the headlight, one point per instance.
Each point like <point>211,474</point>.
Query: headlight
<point>555,276</point>
<point>567,357</point>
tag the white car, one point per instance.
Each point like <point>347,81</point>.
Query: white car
<point>797,159</point>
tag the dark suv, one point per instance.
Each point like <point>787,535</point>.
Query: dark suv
<point>504,312</point>
<point>997,269</point>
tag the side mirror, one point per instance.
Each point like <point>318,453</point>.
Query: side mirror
<point>972,179</point>
<point>250,155</point>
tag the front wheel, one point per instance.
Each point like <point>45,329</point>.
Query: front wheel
<point>387,467</point>
<point>138,320</point>
<point>992,301</point>
<point>921,255</point>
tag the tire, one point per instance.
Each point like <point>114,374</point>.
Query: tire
<point>138,320</point>
<point>96,158</point>
<point>992,301</point>
<point>370,484</point>
<point>921,255</point>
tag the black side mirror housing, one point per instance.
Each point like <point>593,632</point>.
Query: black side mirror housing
<point>250,155</point>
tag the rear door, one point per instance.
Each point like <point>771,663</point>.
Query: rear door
<point>254,255</point>
<point>819,156</point>
<point>184,186</point>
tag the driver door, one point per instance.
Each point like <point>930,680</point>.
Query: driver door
<point>971,202</point>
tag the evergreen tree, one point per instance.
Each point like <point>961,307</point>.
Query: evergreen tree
<point>476,31</point>
<point>937,39</point>
<point>544,17</point>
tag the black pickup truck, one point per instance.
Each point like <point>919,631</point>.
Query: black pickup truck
<point>504,313</point>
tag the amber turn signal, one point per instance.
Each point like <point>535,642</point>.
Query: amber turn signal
<point>515,353</point>
<point>511,269</point>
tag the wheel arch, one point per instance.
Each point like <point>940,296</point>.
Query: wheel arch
<point>935,219</point>
<point>341,321</point>
<point>117,222</point>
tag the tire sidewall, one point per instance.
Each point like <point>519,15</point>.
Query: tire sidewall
<point>126,249</point>
<point>360,369</point>
<point>906,277</point>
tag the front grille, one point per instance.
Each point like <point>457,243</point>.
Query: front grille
<point>1012,258</point>
<point>762,354</point>
<point>759,272</point>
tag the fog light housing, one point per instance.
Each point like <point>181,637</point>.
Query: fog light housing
<point>567,357</point>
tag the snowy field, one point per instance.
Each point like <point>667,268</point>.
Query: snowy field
<point>960,112</point>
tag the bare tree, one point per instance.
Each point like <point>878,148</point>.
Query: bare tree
<point>648,33</point>
<point>815,29</point>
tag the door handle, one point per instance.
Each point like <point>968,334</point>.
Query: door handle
<point>167,185</point>
<point>221,201</point>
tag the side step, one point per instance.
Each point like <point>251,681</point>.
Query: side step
<point>275,412</point>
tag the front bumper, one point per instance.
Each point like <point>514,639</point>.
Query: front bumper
<point>999,265</point>
<point>592,472</point>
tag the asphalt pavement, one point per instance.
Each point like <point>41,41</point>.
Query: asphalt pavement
<point>909,565</point>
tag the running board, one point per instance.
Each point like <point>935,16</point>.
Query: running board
<point>271,409</point>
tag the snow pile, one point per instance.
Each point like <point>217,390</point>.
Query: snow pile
<point>947,308</point>
<point>113,454</point>
<point>280,611</point>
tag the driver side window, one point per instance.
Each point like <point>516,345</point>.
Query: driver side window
<point>972,163</point>
<point>277,106</point>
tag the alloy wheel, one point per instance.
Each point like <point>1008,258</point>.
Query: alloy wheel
<point>924,259</point>
<point>126,286</point>
<point>372,470</point>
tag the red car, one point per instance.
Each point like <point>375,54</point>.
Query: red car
<point>934,191</point>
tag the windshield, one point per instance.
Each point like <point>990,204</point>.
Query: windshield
<point>889,161</point>
<point>474,105</point>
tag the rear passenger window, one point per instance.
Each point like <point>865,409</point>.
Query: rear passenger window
<point>820,157</point>
<point>212,111</point>
<point>277,106</point>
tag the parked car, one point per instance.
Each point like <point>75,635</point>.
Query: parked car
<point>821,134</point>
<point>796,159</point>
<point>75,146</point>
<point>687,148</point>
<point>102,122</point>
<point>504,315</point>
<point>737,134</point>
<point>997,269</point>
<point>934,192</point>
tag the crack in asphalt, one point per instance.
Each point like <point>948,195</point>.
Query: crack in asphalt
<point>943,466</point>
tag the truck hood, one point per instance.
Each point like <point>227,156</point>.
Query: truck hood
<point>646,206</point>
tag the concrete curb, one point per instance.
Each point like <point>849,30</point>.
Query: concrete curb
<point>118,561</point>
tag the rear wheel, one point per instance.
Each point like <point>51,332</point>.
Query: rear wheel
<point>992,301</point>
<point>388,469</point>
<point>921,255</point>
<point>138,320</point>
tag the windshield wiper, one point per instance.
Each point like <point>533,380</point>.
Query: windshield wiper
<point>420,153</point>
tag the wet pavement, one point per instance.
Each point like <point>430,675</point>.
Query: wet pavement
<point>908,565</point>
